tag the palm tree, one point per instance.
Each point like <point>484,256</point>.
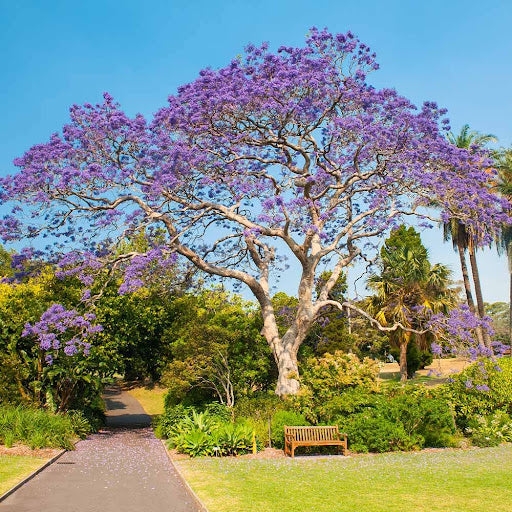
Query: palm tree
<point>503,160</point>
<point>461,236</point>
<point>408,289</point>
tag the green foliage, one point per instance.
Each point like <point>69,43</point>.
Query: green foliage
<point>134,341</point>
<point>406,420</point>
<point>257,410</point>
<point>467,392</point>
<point>279,420</point>
<point>40,429</point>
<point>208,432</point>
<point>373,432</point>
<point>490,430</point>
<point>217,352</point>
<point>408,288</point>
<point>325,377</point>
<point>417,359</point>
<point>499,311</point>
<point>70,382</point>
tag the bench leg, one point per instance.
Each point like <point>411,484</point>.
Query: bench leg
<point>293,451</point>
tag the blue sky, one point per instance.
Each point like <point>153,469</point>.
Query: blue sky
<point>57,53</point>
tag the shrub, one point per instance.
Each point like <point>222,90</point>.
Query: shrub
<point>325,378</point>
<point>233,438</point>
<point>351,401</point>
<point>490,430</point>
<point>401,420</point>
<point>171,417</point>
<point>207,432</point>
<point>372,432</point>
<point>481,389</point>
<point>257,411</point>
<point>194,442</point>
<point>422,415</point>
<point>279,420</point>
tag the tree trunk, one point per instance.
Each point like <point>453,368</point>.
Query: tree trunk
<point>287,380</point>
<point>403,360</point>
<point>478,294</point>
<point>465,277</point>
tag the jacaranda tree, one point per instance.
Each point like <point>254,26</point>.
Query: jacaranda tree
<point>286,154</point>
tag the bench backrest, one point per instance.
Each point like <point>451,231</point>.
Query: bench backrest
<point>305,434</point>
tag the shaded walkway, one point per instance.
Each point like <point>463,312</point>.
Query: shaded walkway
<point>123,468</point>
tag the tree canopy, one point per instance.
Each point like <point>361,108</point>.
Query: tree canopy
<point>290,149</point>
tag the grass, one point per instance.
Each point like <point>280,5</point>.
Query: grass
<point>444,481</point>
<point>14,468</point>
<point>151,399</point>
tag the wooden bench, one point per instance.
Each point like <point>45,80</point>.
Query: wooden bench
<point>313,436</point>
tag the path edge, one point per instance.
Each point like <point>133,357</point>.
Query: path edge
<point>32,475</point>
<point>184,481</point>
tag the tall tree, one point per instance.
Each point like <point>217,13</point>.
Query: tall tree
<point>462,236</point>
<point>288,154</point>
<point>503,161</point>
<point>408,289</point>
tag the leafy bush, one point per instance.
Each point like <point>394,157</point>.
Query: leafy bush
<point>257,410</point>
<point>279,420</point>
<point>40,429</point>
<point>490,430</point>
<point>407,419</point>
<point>481,389</point>
<point>233,438</point>
<point>194,442</point>
<point>325,378</point>
<point>207,432</point>
<point>371,431</point>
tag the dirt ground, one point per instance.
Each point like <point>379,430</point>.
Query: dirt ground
<point>439,370</point>
<point>43,453</point>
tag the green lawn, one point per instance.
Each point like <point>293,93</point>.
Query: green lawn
<point>448,481</point>
<point>151,399</point>
<point>13,468</point>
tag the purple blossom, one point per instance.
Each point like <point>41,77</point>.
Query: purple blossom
<point>58,324</point>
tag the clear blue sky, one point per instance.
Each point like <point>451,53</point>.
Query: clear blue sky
<point>56,53</point>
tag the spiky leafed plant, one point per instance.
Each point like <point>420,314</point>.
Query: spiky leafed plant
<point>461,236</point>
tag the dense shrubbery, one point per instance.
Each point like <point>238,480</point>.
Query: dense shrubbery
<point>207,432</point>
<point>341,389</point>
<point>41,429</point>
<point>326,378</point>
<point>407,420</point>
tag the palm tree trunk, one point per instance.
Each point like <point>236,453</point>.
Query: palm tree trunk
<point>478,294</point>
<point>465,277</point>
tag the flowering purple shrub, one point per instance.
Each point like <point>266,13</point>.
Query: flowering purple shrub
<point>290,149</point>
<point>62,330</point>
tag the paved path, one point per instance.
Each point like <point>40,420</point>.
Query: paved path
<point>123,468</point>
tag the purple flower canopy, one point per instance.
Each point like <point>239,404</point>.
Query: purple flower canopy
<point>293,146</point>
